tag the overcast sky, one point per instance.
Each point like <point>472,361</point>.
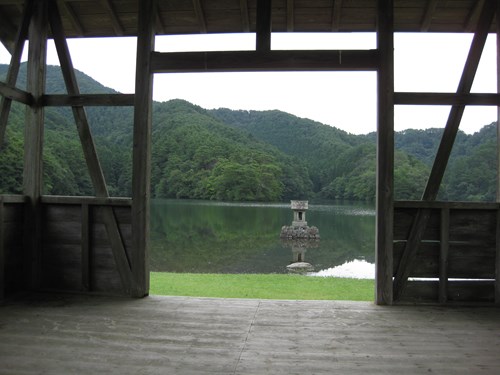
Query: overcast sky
<point>347,100</point>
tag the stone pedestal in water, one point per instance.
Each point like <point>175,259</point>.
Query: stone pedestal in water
<point>299,236</point>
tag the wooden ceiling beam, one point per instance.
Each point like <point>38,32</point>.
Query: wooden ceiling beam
<point>252,61</point>
<point>336,14</point>
<point>429,13</point>
<point>7,33</point>
<point>290,11</point>
<point>72,16</point>
<point>434,98</point>
<point>263,26</point>
<point>115,21</point>
<point>473,17</point>
<point>200,16</point>
<point>160,27</point>
<point>245,19</point>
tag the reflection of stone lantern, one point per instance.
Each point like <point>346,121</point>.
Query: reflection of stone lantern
<point>299,236</point>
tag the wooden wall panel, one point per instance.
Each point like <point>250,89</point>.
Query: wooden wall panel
<point>13,249</point>
<point>457,260</point>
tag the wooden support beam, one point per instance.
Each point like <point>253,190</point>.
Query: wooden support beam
<point>251,61</point>
<point>498,92</point>
<point>160,27</point>
<point>444,150</point>
<point>113,16</point>
<point>89,151</point>
<point>336,14</point>
<point>85,233</point>
<point>245,19</point>
<point>473,17</point>
<point>497,260</point>
<point>429,12</point>
<point>385,155</point>
<point>263,25</point>
<point>2,249</point>
<point>141,163</point>
<point>15,63</point>
<point>6,32</point>
<point>88,100</point>
<point>33,143</point>
<point>200,16</point>
<point>443,255</point>
<point>439,98</point>
<point>10,93</point>
<point>73,18</point>
<point>290,11</point>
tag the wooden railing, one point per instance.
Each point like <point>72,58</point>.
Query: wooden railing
<point>457,259</point>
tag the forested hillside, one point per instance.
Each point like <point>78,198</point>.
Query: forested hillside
<point>240,155</point>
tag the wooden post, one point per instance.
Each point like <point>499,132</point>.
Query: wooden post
<point>85,233</point>
<point>2,249</point>
<point>33,142</point>
<point>385,155</point>
<point>141,168</point>
<point>443,255</point>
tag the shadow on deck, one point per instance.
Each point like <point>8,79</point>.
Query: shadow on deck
<point>56,334</point>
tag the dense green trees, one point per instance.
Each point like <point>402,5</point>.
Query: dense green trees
<point>240,155</point>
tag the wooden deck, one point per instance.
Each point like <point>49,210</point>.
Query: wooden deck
<point>53,334</point>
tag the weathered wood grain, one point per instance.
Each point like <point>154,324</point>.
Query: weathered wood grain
<point>385,155</point>
<point>141,153</point>
<point>178,335</point>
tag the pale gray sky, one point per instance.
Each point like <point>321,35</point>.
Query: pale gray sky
<point>347,100</point>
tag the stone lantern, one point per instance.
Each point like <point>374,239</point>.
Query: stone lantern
<point>300,237</point>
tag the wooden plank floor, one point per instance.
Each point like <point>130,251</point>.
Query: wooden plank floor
<point>51,334</point>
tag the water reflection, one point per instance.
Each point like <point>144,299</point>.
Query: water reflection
<point>204,236</point>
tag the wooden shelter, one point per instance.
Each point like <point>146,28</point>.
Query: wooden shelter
<point>100,244</point>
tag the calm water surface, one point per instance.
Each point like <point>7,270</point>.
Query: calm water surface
<point>217,237</point>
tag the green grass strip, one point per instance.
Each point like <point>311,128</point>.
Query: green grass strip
<point>273,286</point>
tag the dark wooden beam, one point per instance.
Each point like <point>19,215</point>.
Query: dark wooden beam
<point>263,25</point>
<point>251,61</point>
<point>290,11</point>
<point>33,143</point>
<point>497,260</point>
<point>498,108</point>
<point>115,21</point>
<point>200,16</point>
<point>88,100</point>
<point>336,14</point>
<point>245,19</point>
<point>68,72</point>
<point>13,93</point>
<point>89,151</point>
<point>7,33</point>
<point>141,157</point>
<point>15,63</point>
<point>73,18</point>
<point>85,247</point>
<point>472,18</point>
<point>2,250</point>
<point>434,98</point>
<point>443,255</point>
<point>429,13</point>
<point>385,155</point>
<point>160,27</point>
<point>444,150</point>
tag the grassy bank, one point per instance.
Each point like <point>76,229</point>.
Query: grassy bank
<point>261,286</point>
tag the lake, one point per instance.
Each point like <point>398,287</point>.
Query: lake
<point>217,237</point>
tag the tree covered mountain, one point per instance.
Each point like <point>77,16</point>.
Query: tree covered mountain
<point>239,155</point>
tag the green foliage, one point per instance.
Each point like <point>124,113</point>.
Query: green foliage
<point>239,155</point>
